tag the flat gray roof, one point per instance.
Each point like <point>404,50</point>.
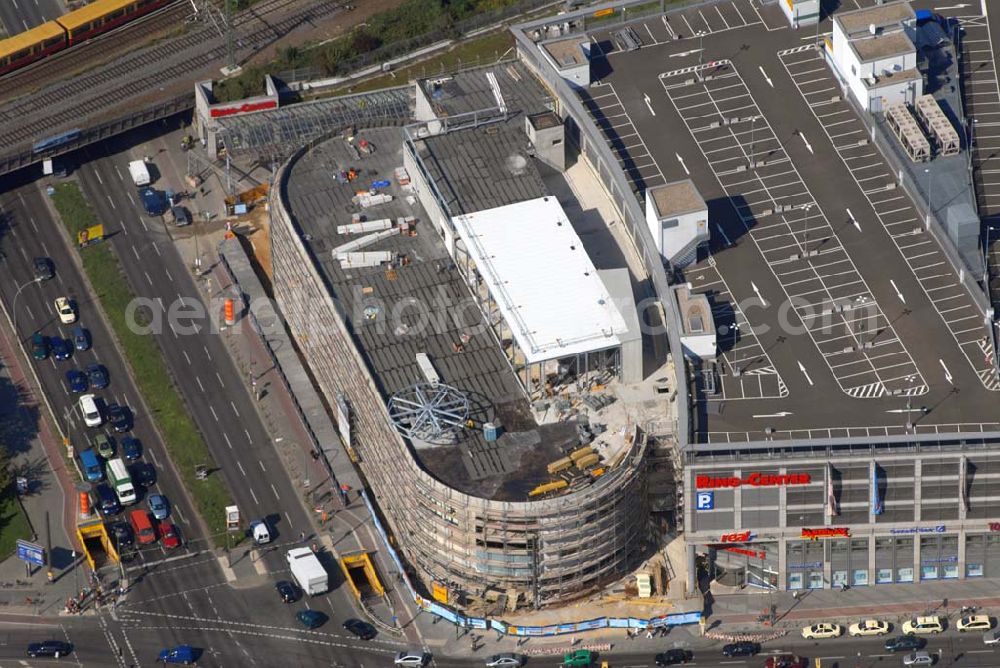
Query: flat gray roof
<point>879,16</point>
<point>482,168</point>
<point>504,469</point>
<point>883,46</point>
<point>677,198</point>
<point>473,90</point>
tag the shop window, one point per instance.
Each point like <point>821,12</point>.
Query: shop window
<point>860,577</point>
<point>904,575</point>
<point>973,570</point>
<point>928,572</point>
<point>816,580</point>
<point>883,576</point>
<point>839,578</point>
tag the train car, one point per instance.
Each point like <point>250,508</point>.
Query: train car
<point>104,15</point>
<point>29,46</point>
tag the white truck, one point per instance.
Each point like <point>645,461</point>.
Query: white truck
<point>307,571</point>
<point>139,172</point>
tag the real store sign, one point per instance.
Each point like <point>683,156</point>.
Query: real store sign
<point>752,480</point>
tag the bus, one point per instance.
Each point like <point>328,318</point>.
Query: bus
<point>91,465</point>
<point>119,478</point>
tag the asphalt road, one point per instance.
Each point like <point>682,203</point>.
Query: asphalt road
<point>20,15</point>
<point>28,232</point>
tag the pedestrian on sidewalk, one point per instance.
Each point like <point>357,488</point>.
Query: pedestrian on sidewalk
<point>302,536</point>
<point>649,634</point>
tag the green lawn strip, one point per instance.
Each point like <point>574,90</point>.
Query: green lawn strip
<point>14,523</point>
<point>468,53</point>
<point>184,442</point>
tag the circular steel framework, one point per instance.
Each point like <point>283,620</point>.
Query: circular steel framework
<point>429,412</point>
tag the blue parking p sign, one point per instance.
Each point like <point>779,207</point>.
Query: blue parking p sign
<point>705,501</point>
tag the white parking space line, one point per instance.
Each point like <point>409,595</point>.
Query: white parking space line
<point>900,219</point>
<point>790,231</point>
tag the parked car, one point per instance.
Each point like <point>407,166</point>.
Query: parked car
<point>742,648</point>
<point>122,534</point>
<point>66,310</point>
<point>108,501</point>
<point>39,346</point>
<point>143,474</point>
<point>158,506</point>
<point>786,661</point>
<point>169,536</point>
<point>311,619</point>
<point>54,648</point>
<point>61,348</point>
<point>287,591</point>
<point>184,654</point>
<point>974,623</point>
<point>44,270</point>
<point>904,643</point>
<point>105,446</point>
<point>505,660</point>
<point>81,338</point>
<point>131,449</point>
<point>361,629</point>
<point>120,417</point>
<point>923,625</point>
<point>823,630</point>
<point>411,657</point>
<point>98,376</point>
<point>673,657</point>
<point>920,658</point>
<point>77,381</point>
<point>869,627</point>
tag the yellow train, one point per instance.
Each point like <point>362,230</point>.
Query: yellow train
<point>70,29</point>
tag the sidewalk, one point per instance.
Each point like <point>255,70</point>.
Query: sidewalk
<point>37,453</point>
<point>895,602</point>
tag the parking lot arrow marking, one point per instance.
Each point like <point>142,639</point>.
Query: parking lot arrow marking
<point>681,160</point>
<point>947,374</point>
<point>961,6</point>
<point>766,78</point>
<point>804,373</point>
<point>774,415</point>
<point>854,221</point>
<point>898,293</point>
<point>753,286</point>
<point>648,104</point>
<point>906,410</point>
<point>690,52</point>
<point>803,135</point>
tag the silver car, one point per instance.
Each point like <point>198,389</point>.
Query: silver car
<point>506,660</point>
<point>920,658</point>
<point>415,658</point>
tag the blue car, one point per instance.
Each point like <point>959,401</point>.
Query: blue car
<point>98,376</point>
<point>61,348</point>
<point>158,506</point>
<point>81,338</point>
<point>311,619</point>
<point>131,448</point>
<point>77,380</point>
<point>184,654</point>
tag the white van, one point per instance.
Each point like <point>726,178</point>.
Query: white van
<point>139,172</point>
<point>91,413</point>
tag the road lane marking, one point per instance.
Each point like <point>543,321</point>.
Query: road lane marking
<point>220,379</point>
<point>234,408</point>
<point>262,466</point>
<point>254,496</point>
<point>240,464</point>
<point>214,414</point>
<point>206,353</point>
<point>804,373</point>
<point>275,492</point>
<point>186,356</point>
<point>200,386</point>
<point>226,436</point>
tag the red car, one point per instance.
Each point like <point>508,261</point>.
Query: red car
<point>169,536</point>
<point>786,661</point>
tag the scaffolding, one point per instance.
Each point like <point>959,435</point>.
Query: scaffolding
<point>930,114</point>
<point>906,129</point>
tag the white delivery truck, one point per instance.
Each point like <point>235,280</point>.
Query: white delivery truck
<point>307,571</point>
<point>139,172</point>
<point>122,482</point>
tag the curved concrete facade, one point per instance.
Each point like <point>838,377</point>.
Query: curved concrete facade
<point>549,551</point>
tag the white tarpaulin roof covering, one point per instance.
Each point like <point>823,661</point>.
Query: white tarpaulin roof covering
<point>541,277</point>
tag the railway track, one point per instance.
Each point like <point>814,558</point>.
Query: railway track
<point>70,102</point>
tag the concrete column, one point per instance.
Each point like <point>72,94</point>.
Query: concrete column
<point>916,558</point>
<point>782,563</point>
<point>871,559</point>
<point>692,570</point>
<point>961,554</point>
<point>917,479</point>
<point>738,502</point>
<point>827,566</point>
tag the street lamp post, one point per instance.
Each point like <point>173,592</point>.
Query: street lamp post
<point>930,200</point>
<point>13,306</point>
<point>909,402</point>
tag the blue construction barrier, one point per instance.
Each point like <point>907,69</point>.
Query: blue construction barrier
<point>500,626</point>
